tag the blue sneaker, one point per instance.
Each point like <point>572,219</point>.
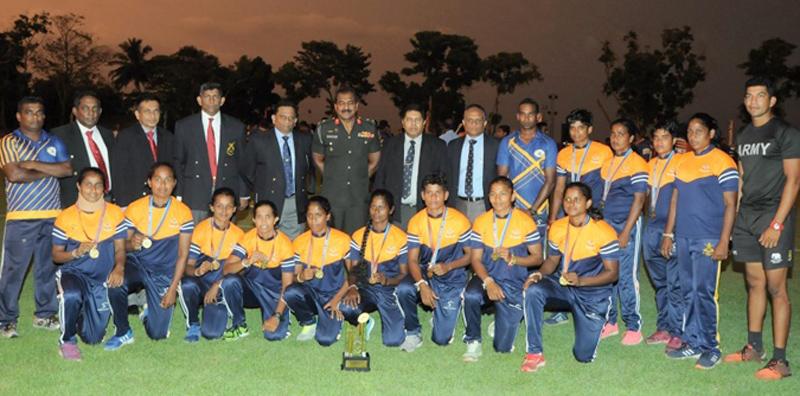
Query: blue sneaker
<point>117,342</point>
<point>708,360</point>
<point>684,352</point>
<point>369,326</point>
<point>193,333</point>
<point>557,319</point>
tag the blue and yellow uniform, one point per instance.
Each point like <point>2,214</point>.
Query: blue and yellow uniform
<point>208,243</point>
<point>153,268</point>
<point>623,176</point>
<point>526,165</point>
<point>31,208</point>
<point>327,254</point>
<point>387,251</point>
<point>487,233</point>
<point>663,271</point>
<point>587,246</point>
<point>701,180</point>
<point>82,281</point>
<point>583,164</point>
<point>259,286</point>
<point>423,234</point>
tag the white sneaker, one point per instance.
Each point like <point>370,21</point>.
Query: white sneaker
<point>307,333</point>
<point>490,330</point>
<point>473,352</point>
<point>411,343</point>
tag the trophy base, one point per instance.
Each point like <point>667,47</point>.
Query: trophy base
<point>355,363</point>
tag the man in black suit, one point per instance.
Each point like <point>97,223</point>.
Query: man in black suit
<point>208,148</point>
<point>405,160</point>
<point>137,148</point>
<point>88,144</point>
<point>276,164</point>
<point>472,165</point>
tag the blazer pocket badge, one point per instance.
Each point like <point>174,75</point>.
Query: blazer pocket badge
<point>231,150</point>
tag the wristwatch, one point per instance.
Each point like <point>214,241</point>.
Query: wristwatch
<point>776,226</point>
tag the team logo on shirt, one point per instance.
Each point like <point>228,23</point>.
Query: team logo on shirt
<point>597,160</point>
<point>705,169</point>
<point>538,153</point>
<point>775,258</point>
<point>391,250</point>
<point>231,149</point>
<point>173,223</point>
<point>590,245</point>
<point>52,151</point>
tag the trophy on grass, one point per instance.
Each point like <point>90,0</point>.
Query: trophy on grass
<point>355,356</point>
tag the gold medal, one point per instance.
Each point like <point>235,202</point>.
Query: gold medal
<point>652,214</point>
<point>709,249</point>
<point>563,281</point>
<point>214,265</point>
<point>495,256</point>
<point>319,274</point>
<point>94,252</point>
<point>147,243</point>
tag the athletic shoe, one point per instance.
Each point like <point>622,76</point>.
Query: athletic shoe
<point>631,338</point>
<point>235,333</point>
<point>774,370</point>
<point>674,343</point>
<point>473,352</point>
<point>557,318</point>
<point>369,326</point>
<point>708,360</point>
<point>70,351</point>
<point>193,333</point>
<point>684,352</point>
<point>490,330</point>
<point>609,330</point>
<point>659,337</point>
<point>49,323</point>
<point>747,354</point>
<point>143,315</point>
<point>411,343</point>
<point>532,362</point>
<point>307,333</point>
<point>9,330</point>
<point>117,342</point>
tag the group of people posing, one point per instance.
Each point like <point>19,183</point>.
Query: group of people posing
<point>508,227</point>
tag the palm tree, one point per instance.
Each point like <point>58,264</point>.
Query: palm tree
<point>131,64</point>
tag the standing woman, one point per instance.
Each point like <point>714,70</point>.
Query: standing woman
<point>89,243</point>
<point>212,243</point>
<point>159,233</point>
<point>700,221</point>
<point>319,283</point>
<point>256,275</point>
<point>382,248</point>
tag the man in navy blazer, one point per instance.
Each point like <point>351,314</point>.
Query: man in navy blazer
<point>276,164</point>
<point>208,148</point>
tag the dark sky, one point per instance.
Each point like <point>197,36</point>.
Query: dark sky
<point>562,37</point>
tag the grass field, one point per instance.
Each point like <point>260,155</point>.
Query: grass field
<point>31,365</point>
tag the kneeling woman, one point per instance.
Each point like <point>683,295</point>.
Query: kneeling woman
<point>383,251</point>
<point>89,243</point>
<point>256,275</point>
<point>319,281</point>
<point>212,243</point>
<point>585,250</point>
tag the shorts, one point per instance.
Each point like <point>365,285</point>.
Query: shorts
<point>748,228</point>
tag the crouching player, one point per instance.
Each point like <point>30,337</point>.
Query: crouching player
<point>212,243</point>
<point>89,243</point>
<point>505,242</point>
<point>256,275</point>
<point>585,250</point>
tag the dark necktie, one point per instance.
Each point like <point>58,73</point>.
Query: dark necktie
<point>470,160</point>
<point>287,168</point>
<point>408,170</point>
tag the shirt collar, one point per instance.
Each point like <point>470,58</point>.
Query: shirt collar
<point>280,134</point>
<point>42,136</point>
<point>417,139</point>
<point>206,116</point>
<point>478,139</point>
<point>145,129</point>
<point>84,128</point>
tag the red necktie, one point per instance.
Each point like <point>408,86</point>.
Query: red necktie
<point>98,157</point>
<point>212,149</point>
<point>152,141</point>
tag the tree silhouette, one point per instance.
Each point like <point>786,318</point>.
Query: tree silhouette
<point>770,60</point>
<point>505,72</point>
<point>130,64</point>
<point>16,46</point>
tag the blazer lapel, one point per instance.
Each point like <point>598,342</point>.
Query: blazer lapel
<point>80,157</point>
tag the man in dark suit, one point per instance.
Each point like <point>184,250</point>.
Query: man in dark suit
<point>276,164</point>
<point>208,148</point>
<point>88,144</point>
<point>472,167</point>
<point>405,160</point>
<point>137,148</point>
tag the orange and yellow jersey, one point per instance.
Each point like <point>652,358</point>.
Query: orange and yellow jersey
<point>37,199</point>
<point>520,233</point>
<point>387,250</point>
<point>701,180</point>
<point>279,252</point>
<point>623,176</point>
<point>583,165</point>
<point>335,247</point>
<point>662,183</point>
<point>209,243</point>
<point>586,246</point>
<point>424,233</point>
<point>163,226</point>
<point>73,227</point>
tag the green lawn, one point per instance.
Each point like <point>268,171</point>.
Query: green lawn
<point>31,364</point>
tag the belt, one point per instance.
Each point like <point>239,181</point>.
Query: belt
<point>473,199</point>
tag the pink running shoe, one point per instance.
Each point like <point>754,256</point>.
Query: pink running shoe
<point>532,362</point>
<point>674,343</point>
<point>609,330</point>
<point>631,338</point>
<point>659,337</point>
<point>70,351</point>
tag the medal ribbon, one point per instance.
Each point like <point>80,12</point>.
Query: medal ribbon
<point>99,225</point>
<point>324,249</point>
<point>438,236</point>
<point>150,217</point>
<point>610,179</point>
<point>574,175</point>
<point>221,240</point>
<point>569,251</point>
<point>498,244</point>
<point>655,189</point>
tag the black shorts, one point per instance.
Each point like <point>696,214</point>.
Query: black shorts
<point>748,228</point>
